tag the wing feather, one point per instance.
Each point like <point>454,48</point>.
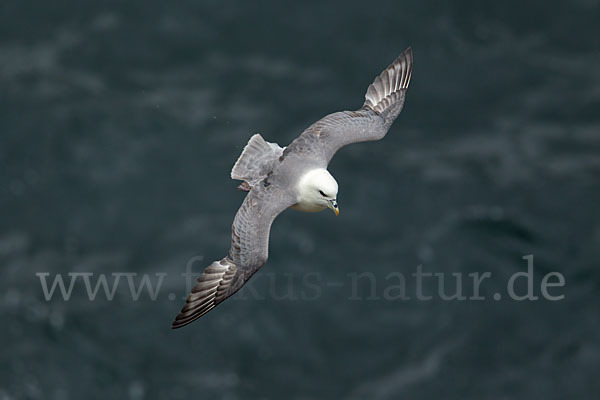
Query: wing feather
<point>384,100</point>
<point>248,252</point>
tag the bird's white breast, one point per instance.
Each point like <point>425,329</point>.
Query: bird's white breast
<point>307,207</point>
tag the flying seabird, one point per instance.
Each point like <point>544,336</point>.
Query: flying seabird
<point>295,176</point>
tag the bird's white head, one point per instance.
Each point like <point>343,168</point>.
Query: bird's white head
<point>317,190</point>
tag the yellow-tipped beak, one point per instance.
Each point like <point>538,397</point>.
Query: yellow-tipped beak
<point>334,207</point>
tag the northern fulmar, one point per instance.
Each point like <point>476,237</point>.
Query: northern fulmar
<point>295,176</point>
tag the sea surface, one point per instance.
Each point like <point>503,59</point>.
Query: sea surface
<point>120,122</point>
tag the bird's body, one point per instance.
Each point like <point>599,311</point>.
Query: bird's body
<point>296,176</point>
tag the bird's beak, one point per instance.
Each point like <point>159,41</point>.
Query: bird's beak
<point>334,206</point>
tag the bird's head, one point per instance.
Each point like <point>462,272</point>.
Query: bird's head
<point>318,190</point>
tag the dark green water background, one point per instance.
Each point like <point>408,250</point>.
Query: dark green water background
<point>120,121</point>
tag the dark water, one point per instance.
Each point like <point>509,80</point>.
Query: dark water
<point>120,121</point>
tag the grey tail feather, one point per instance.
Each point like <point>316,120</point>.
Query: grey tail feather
<point>386,94</point>
<point>256,151</point>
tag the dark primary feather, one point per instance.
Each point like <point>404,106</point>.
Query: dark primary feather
<point>211,288</point>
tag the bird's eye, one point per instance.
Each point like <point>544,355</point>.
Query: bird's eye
<point>322,194</point>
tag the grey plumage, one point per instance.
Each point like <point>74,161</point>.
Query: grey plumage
<point>272,173</point>
<point>258,158</point>
<point>249,251</point>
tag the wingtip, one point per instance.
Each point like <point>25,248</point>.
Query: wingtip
<point>408,55</point>
<point>182,320</point>
<point>175,324</point>
<point>382,94</point>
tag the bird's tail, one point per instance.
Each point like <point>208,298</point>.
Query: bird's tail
<point>386,94</point>
<point>255,158</point>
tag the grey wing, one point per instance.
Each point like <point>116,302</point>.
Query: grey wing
<point>383,102</point>
<point>249,251</point>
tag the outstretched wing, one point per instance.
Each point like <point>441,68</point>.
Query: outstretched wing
<point>383,102</point>
<point>249,251</point>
